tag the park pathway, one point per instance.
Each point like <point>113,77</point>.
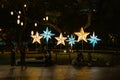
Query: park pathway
<point>59,72</point>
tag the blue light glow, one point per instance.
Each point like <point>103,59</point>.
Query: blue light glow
<point>47,34</point>
<point>93,39</point>
<point>71,40</point>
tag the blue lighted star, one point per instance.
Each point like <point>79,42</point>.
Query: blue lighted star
<point>93,39</point>
<point>47,34</point>
<point>71,40</point>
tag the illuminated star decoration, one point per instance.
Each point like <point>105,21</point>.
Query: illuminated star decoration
<point>61,39</point>
<point>36,38</point>
<point>71,40</point>
<point>82,35</point>
<point>93,39</point>
<point>47,34</point>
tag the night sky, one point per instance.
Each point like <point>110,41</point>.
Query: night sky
<point>105,18</point>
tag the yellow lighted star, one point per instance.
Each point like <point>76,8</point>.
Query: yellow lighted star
<point>36,38</point>
<point>61,39</point>
<point>82,35</point>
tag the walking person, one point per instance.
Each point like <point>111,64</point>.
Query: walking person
<point>78,59</point>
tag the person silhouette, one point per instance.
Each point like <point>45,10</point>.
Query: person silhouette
<point>79,57</point>
<point>13,52</point>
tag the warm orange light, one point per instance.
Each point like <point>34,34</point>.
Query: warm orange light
<point>82,35</point>
<point>61,39</point>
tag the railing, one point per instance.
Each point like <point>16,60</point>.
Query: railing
<point>84,51</point>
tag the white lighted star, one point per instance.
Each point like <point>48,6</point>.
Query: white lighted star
<point>82,35</point>
<point>36,38</point>
<point>47,34</point>
<point>93,39</point>
<point>61,39</point>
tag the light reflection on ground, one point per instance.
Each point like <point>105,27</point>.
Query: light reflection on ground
<point>60,72</point>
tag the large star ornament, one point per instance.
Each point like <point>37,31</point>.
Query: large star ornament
<point>61,39</point>
<point>47,34</point>
<point>82,35</point>
<point>93,39</point>
<point>36,38</point>
<point>71,40</point>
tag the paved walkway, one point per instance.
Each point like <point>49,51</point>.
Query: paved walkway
<point>59,72</point>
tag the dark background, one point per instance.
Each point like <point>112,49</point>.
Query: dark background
<point>67,15</point>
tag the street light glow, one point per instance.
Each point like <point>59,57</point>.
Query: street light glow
<point>19,12</point>
<point>43,19</point>
<point>46,18</point>
<point>21,23</point>
<point>32,32</point>
<point>0,29</point>
<point>18,21</point>
<point>35,24</point>
<point>11,12</point>
<point>25,5</point>
<point>18,16</point>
